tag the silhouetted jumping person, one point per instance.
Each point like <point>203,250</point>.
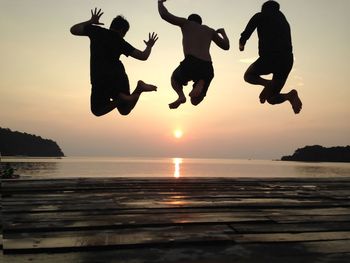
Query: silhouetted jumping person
<point>197,65</point>
<point>110,83</point>
<point>275,55</point>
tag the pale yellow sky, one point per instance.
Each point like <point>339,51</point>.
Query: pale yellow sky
<point>45,87</point>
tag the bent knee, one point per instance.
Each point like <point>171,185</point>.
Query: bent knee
<point>196,101</point>
<point>271,101</point>
<point>275,100</point>
<point>124,111</point>
<point>249,77</point>
<point>174,82</point>
<point>97,112</point>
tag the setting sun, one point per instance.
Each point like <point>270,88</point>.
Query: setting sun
<point>178,134</point>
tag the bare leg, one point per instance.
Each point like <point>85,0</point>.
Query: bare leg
<point>197,89</point>
<point>126,103</point>
<point>179,90</point>
<point>144,87</point>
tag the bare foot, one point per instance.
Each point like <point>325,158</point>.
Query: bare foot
<point>265,93</point>
<point>263,96</point>
<point>144,87</point>
<point>295,101</point>
<point>197,89</point>
<point>177,103</point>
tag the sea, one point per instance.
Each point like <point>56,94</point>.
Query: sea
<point>68,167</point>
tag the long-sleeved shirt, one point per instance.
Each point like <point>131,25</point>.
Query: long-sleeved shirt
<point>273,32</point>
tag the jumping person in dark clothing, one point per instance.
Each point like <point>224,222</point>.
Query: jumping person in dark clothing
<point>197,65</point>
<point>275,55</point>
<point>110,83</point>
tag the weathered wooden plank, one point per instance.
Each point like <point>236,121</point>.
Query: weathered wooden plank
<point>145,237</point>
<point>329,247</point>
<point>67,197</point>
<point>221,253</point>
<point>292,237</point>
<point>308,211</point>
<point>168,215</point>
<point>311,218</point>
<point>267,227</point>
<point>158,203</point>
<point>193,195</point>
<point>67,241</point>
<point>129,220</point>
<point>96,214</point>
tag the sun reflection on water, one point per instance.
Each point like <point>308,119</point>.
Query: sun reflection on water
<point>177,162</point>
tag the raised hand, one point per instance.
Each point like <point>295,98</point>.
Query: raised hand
<point>221,31</point>
<point>152,38</point>
<point>95,16</point>
<point>241,46</point>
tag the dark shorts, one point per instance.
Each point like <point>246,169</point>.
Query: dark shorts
<point>279,65</point>
<point>103,91</point>
<point>194,69</point>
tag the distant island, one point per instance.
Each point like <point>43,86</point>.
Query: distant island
<point>318,153</point>
<point>14,143</point>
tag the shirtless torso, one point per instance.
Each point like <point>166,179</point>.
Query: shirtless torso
<point>196,40</point>
<point>197,66</point>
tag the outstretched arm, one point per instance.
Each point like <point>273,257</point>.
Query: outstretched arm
<point>164,13</point>
<point>78,29</point>
<point>143,55</point>
<point>221,39</point>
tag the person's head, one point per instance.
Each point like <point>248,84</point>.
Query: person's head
<point>270,7</point>
<point>120,25</point>
<point>195,18</point>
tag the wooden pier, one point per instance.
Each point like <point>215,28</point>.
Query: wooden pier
<point>187,220</point>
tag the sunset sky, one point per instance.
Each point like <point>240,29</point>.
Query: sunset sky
<point>45,85</point>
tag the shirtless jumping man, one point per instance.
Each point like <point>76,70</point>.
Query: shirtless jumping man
<point>197,65</point>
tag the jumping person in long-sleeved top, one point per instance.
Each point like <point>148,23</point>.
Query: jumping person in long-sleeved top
<point>275,55</point>
<point>197,65</point>
<point>110,83</point>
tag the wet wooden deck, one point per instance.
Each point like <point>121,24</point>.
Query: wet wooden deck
<point>176,220</point>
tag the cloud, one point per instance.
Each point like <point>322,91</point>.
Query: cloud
<point>299,81</point>
<point>248,60</point>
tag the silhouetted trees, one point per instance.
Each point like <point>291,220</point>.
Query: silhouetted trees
<point>317,153</point>
<point>14,143</point>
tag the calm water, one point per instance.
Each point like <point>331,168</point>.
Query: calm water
<point>170,167</point>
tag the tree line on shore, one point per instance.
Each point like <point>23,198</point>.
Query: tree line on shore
<point>318,153</point>
<point>14,143</point>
